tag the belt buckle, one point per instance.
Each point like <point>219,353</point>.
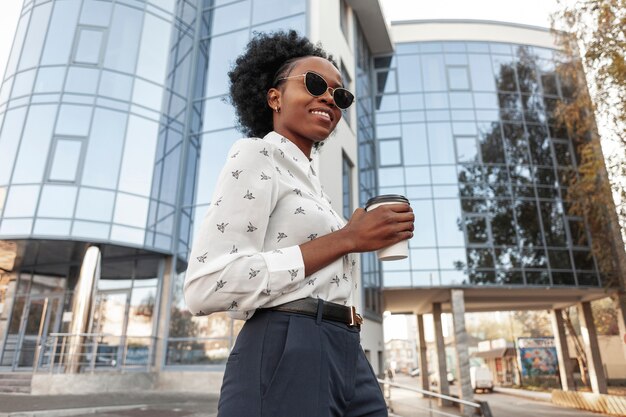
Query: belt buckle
<point>355,318</point>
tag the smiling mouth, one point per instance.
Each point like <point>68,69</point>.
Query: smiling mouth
<point>323,114</point>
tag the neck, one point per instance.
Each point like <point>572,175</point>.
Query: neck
<point>305,145</point>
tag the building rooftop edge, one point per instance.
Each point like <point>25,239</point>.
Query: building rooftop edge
<point>470,21</point>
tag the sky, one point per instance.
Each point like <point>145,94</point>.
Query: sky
<point>529,12</point>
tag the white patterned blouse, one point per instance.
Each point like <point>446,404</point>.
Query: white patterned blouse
<point>267,201</point>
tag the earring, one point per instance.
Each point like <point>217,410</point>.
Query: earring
<point>277,109</point>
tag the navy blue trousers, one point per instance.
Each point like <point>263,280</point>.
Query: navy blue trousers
<point>291,365</point>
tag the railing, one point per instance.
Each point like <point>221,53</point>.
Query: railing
<point>93,352</point>
<point>404,400</point>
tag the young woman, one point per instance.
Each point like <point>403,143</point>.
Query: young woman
<point>274,252</point>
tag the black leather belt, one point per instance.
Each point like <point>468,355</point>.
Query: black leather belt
<point>330,311</point>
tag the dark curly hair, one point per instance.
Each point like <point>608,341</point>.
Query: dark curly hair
<point>267,58</point>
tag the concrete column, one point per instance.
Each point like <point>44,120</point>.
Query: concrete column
<point>422,354</point>
<point>562,351</point>
<point>440,351</point>
<point>461,341</point>
<point>167,281</point>
<point>620,301</point>
<point>81,307</point>
<point>590,339</point>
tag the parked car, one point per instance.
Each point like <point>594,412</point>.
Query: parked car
<point>434,379</point>
<point>481,378</point>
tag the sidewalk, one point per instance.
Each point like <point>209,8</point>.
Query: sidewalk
<point>152,404</point>
<point>532,395</point>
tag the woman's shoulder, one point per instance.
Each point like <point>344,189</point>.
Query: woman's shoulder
<point>253,147</point>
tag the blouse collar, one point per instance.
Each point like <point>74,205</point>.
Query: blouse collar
<point>290,148</point>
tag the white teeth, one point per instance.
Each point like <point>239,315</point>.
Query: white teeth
<point>321,113</point>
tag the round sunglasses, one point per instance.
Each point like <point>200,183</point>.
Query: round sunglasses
<point>316,85</point>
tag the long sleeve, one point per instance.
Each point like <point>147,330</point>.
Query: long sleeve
<point>230,268</point>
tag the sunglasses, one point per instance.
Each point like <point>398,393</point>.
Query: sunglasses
<point>317,86</point>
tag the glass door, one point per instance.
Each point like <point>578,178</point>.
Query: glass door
<point>41,315</point>
<point>109,324</point>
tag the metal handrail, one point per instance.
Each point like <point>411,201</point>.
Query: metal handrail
<point>430,393</point>
<point>481,407</point>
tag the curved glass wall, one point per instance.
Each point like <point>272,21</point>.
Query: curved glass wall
<point>466,130</point>
<point>94,111</point>
<point>224,30</point>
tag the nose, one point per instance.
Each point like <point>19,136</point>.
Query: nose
<point>328,96</point>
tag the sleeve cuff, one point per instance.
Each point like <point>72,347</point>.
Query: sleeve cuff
<point>284,266</point>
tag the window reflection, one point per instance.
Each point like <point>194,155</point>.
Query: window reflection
<point>123,40</point>
<point>88,46</point>
<point>65,160</point>
<point>60,36</point>
<point>95,204</point>
<point>21,201</point>
<point>154,49</point>
<point>23,84</point>
<point>9,141</point>
<point>57,201</point>
<point>35,144</point>
<point>33,44</point>
<point>138,156</point>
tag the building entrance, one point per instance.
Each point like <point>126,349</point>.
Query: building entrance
<point>33,318</point>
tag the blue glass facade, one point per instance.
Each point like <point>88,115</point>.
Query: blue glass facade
<point>466,130</point>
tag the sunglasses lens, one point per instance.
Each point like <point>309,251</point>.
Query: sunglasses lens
<point>315,84</point>
<point>343,98</point>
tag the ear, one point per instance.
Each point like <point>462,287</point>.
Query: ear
<point>273,98</point>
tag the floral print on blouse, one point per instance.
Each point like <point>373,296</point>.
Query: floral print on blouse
<point>268,200</point>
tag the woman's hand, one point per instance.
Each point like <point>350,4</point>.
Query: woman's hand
<point>379,228</point>
<point>366,231</point>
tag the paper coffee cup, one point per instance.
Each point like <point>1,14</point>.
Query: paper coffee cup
<point>396,251</point>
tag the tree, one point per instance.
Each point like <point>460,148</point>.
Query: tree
<point>596,29</point>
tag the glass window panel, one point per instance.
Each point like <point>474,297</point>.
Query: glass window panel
<point>419,192</point>
<point>73,120</point>
<point>424,235</point>
<point>452,258</point>
<point>154,49</point>
<point>17,45</point>
<point>407,48</point>
<point>218,114</point>
<point>388,102</point>
<point>65,160</point>
<point>412,101</point>
<point>417,176</point>
<point>387,118</point>
<point>3,197</point>
<point>35,37</point>
<point>500,48</point>
<point>127,235</point>
<point>437,115</point>
<point>297,23</point>
<point>229,18</point>
<point>5,89</point>
<point>441,145</point>
<point>23,84</point>
<point>12,227</point>
<point>104,149</point>
<point>461,101</point>
<point>147,94</point>
<point>397,279</point>
<point>386,81</point>
<point>409,73</point>
<point>413,116</point>
<point>9,141</point>
<point>57,201</point>
<point>464,128</point>
<point>141,313</point>
<point>424,259</point>
<point>21,201</point>
<point>213,153</point>
<point>528,222</point>
<point>448,216</point>
<point>265,10</point>
<point>390,153</point>
<point>486,100</point>
<point>477,47</point>
<point>52,227</point>
<point>414,144</point>
<point>458,78</point>
<point>95,205</point>
<point>445,191</point>
<point>583,260</point>
<point>443,174</point>
<point>115,85</point>
<point>167,5</point>
<point>81,80</point>
<point>88,46</point>
<point>481,73</point>
<point>138,156</point>
<point>96,13</point>
<point>399,265</point>
<point>436,101</point>
<point>387,131</point>
<point>456,59</point>
<point>61,33</point>
<point>131,210</point>
<point>453,278</point>
<point>433,70</point>
<point>90,230</point>
<point>50,80</point>
<point>123,42</point>
<point>33,152</point>
<point>390,177</point>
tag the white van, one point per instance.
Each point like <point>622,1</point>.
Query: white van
<point>481,378</point>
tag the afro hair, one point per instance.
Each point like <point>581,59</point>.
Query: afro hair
<point>267,57</point>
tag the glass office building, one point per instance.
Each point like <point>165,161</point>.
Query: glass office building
<point>113,129</point>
